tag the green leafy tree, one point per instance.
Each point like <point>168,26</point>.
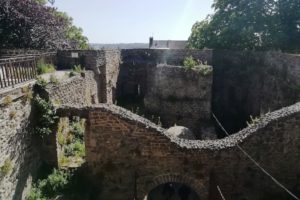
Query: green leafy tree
<point>74,34</point>
<point>247,25</point>
<point>33,24</point>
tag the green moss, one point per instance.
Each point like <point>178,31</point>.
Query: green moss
<point>6,168</point>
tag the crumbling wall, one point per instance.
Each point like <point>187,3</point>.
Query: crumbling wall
<point>181,96</point>
<point>19,157</point>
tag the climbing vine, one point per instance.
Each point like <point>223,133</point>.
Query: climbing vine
<point>45,116</point>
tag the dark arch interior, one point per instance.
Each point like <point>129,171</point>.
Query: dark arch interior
<point>172,191</point>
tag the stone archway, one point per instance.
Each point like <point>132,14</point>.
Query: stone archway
<point>178,183</point>
<point>172,191</point>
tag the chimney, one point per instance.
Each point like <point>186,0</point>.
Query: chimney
<point>150,42</point>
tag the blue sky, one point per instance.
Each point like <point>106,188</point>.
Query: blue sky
<point>127,21</point>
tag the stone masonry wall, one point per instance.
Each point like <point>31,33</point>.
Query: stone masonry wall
<point>251,83</point>
<point>112,68</point>
<point>79,90</point>
<point>128,156</point>
<point>137,62</point>
<point>17,147</point>
<point>104,63</point>
<point>181,96</point>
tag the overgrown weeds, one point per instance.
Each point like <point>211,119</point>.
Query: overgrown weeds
<point>43,67</point>
<point>202,68</point>
<point>71,141</point>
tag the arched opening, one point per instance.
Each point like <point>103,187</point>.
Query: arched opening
<point>172,191</point>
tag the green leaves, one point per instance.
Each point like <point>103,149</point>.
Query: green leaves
<point>250,25</point>
<point>55,184</point>
<point>34,25</point>
<point>45,116</point>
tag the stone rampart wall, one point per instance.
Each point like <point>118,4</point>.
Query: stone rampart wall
<point>104,63</point>
<point>253,83</point>
<point>79,90</point>
<point>127,156</point>
<point>181,96</point>
<point>136,63</point>
<point>19,157</point>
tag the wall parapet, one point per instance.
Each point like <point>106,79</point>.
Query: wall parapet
<point>219,144</point>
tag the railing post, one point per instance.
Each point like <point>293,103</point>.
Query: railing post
<point>34,66</point>
<point>11,74</point>
<point>1,83</point>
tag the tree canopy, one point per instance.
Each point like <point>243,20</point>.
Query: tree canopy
<point>250,25</point>
<point>33,24</point>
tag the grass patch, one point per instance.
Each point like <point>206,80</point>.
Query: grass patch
<point>43,67</point>
<point>7,100</point>
<point>78,68</point>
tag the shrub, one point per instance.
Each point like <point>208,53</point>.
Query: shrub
<point>45,116</point>
<point>54,79</point>
<point>76,149</point>
<point>56,183</point>
<point>79,149</point>
<point>77,69</point>
<point>190,62</point>
<point>62,125</point>
<point>41,82</point>
<point>253,121</point>
<point>35,194</point>
<point>43,68</point>
<point>71,74</point>
<point>204,69</point>
<point>27,94</point>
<point>77,128</point>
<point>61,139</point>
<point>63,160</point>
<point>6,168</point>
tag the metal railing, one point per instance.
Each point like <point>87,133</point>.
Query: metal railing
<point>20,69</point>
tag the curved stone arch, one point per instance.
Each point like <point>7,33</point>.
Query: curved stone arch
<point>197,186</point>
